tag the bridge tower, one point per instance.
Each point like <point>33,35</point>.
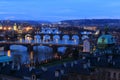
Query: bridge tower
<point>86,44</point>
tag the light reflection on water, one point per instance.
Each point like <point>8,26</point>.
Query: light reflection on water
<point>9,53</point>
<point>40,53</point>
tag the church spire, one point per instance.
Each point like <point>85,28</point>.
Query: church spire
<point>106,29</point>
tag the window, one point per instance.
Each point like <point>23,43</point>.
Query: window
<point>114,75</point>
<point>108,74</point>
<point>33,77</point>
<point>103,40</point>
<point>119,75</point>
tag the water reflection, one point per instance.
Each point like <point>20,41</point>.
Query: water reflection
<point>21,40</point>
<point>19,53</point>
<point>9,53</point>
<point>31,55</point>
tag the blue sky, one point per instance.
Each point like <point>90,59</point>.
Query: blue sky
<point>55,10</point>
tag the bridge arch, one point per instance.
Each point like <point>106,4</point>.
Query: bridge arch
<point>43,30</point>
<point>49,31</point>
<point>46,38</point>
<point>56,38</point>
<point>55,31</point>
<point>75,38</point>
<point>37,38</point>
<point>28,38</point>
<point>47,50</point>
<point>65,38</point>
<point>18,47</point>
<point>61,50</point>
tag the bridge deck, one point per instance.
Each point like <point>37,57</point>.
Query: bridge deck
<point>41,44</point>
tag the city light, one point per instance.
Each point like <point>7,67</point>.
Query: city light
<point>28,28</point>
<point>9,53</point>
<point>5,28</point>
<point>59,40</point>
<point>9,28</point>
<point>77,47</point>
<point>1,28</point>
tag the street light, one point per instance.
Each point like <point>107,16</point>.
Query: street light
<point>5,28</point>
<point>9,28</point>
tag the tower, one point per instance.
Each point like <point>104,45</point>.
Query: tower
<point>19,30</point>
<point>15,27</point>
<point>86,44</point>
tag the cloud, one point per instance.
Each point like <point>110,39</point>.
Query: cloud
<point>58,17</point>
<point>12,13</point>
<point>10,17</point>
<point>59,9</point>
<point>64,11</point>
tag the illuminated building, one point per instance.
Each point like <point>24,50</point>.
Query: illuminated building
<point>28,28</point>
<point>47,30</point>
<point>19,30</point>
<point>105,41</point>
<point>15,27</point>
<point>86,44</point>
<point>19,27</point>
<point>1,26</point>
<point>90,28</point>
<point>97,32</point>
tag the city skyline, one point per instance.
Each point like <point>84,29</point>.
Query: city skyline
<point>56,10</point>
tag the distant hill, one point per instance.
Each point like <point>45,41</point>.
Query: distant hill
<point>93,22</point>
<point>31,22</point>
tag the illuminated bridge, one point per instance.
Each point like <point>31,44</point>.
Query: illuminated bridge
<point>30,45</point>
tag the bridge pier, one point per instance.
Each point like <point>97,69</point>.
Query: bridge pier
<point>70,37</point>
<point>61,36</point>
<point>55,52</point>
<point>41,37</point>
<point>6,47</point>
<point>55,49</point>
<point>29,48</point>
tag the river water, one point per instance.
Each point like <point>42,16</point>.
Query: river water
<point>40,52</point>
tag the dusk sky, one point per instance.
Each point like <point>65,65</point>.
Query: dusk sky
<point>56,10</point>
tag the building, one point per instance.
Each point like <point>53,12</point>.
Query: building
<point>103,64</point>
<point>92,28</point>
<point>86,43</point>
<point>15,27</point>
<point>1,27</point>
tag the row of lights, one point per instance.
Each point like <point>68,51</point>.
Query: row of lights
<point>5,28</point>
<point>10,28</point>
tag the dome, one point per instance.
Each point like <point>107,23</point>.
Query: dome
<point>106,39</point>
